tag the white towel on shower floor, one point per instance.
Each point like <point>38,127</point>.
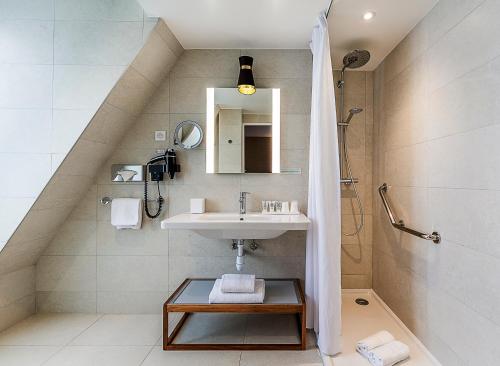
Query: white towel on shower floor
<point>218,297</point>
<point>389,354</point>
<point>375,340</point>
<point>238,283</point>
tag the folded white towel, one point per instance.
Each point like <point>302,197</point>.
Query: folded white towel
<point>218,297</point>
<point>126,213</point>
<point>238,283</point>
<point>389,354</point>
<point>373,341</point>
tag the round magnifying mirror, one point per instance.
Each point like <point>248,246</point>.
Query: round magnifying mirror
<point>188,135</point>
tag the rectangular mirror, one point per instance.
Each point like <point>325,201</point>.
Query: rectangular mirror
<point>243,131</point>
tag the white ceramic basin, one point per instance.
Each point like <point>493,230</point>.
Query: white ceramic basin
<point>234,226</point>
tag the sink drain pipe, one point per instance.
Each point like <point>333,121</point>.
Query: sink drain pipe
<point>240,257</point>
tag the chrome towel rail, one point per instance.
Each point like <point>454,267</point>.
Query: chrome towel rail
<point>400,225</point>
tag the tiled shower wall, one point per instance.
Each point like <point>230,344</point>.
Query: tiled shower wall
<point>90,266</point>
<point>437,133</point>
<point>357,249</point>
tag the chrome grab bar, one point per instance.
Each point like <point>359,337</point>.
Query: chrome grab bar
<point>400,225</point>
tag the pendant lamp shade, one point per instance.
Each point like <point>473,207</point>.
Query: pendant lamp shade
<point>246,84</point>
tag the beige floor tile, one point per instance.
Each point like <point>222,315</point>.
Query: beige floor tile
<point>281,358</point>
<point>122,330</point>
<point>26,355</point>
<point>47,329</point>
<point>158,357</point>
<point>104,355</point>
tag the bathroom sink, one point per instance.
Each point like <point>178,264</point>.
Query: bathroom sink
<point>217,225</point>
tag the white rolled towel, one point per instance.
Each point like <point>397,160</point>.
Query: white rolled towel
<point>238,283</point>
<point>375,340</point>
<point>389,354</point>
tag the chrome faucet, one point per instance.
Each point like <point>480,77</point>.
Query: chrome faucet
<point>243,202</point>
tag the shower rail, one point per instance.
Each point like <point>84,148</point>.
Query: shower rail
<point>400,225</point>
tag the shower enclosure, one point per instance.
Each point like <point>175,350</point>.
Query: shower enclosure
<point>352,60</point>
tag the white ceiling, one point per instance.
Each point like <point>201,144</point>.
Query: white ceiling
<point>394,19</point>
<point>288,23</point>
<point>239,23</point>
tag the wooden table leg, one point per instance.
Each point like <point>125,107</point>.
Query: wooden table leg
<point>304,330</point>
<point>165,328</point>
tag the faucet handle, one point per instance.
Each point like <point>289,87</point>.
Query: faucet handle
<point>244,194</point>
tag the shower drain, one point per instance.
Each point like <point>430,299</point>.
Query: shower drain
<point>361,301</point>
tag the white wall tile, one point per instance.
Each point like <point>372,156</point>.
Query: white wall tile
<point>17,311</point>
<point>66,273</point>
<point>76,237</point>
<point>131,302</point>
<point>96,42</point>
<point>131,92</point>
<point>150,240</point>
<point>114,273</point>
<point>94,83</point>
<point>477,154</point>
<point>21,185</point>
<point>27,9</point>
<point>124,10</point>
<point>65,302</point>
<point>17,285</point>
<point>155,60</point>
<point>26,41</point>
<point>25,130</point>
<point>26,86</point>
<point>67,126</point>
<point>473,41</point>
<point>207,64</point>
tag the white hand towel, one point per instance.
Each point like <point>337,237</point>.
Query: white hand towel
<point>238,283</point>
<point>126,213</point>
<point>373,341</point>
<point>389,354</point>
<point>218,297</point>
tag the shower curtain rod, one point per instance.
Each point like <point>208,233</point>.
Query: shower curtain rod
<point>329,7</point>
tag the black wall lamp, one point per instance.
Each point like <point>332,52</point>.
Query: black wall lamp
<point>246,84</point>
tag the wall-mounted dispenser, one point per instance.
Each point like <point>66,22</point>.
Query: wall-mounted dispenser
<point>127,172</point>
<point>156,169</point>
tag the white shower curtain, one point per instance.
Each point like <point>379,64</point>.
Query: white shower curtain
<point>323,238</point>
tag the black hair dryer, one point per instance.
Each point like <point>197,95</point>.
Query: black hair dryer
<point>156,168</point>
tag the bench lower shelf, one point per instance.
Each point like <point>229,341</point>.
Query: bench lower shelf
<point>283,296</point>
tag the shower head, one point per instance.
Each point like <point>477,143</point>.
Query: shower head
<point>352,112</point>
<point>356,58</point>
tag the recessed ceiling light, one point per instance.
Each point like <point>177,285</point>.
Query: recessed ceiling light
<point>369,15</point>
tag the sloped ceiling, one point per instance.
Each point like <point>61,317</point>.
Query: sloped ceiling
<point>77,172</point>
<point>393,20</point>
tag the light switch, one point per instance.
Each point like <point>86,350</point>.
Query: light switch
<point>160,135</point>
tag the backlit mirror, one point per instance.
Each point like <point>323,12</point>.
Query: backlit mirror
<point>188,135</point>
<point>243,131</point>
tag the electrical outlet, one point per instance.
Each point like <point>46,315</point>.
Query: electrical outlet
<point>160,135</point>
